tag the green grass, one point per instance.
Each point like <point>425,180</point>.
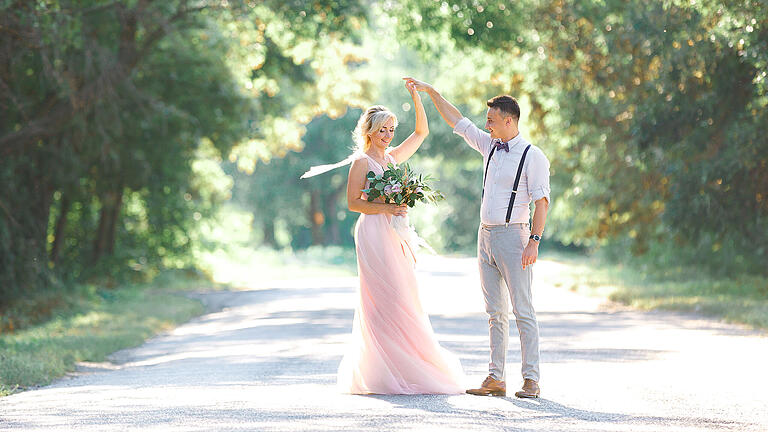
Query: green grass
<point>91,327</point>
<point>739,299</point>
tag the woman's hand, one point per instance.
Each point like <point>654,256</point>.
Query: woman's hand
<point>397,210</point>
<point>418,85</point>
<point>411,86</point>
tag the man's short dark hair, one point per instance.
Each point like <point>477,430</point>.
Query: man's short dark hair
<point>506,104</point>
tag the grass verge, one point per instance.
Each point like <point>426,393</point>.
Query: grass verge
<point>90,327</point>
<point>739,299</point>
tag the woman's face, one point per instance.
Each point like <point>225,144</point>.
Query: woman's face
<point>382,137</point>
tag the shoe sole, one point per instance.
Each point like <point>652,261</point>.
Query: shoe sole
<point>526,396</point>
<point>489,393</point>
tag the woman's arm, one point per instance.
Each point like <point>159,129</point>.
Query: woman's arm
<point>355,202</point>
<point>405,150</point>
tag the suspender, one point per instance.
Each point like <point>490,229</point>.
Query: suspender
<point>517,182</point>
<point>493,149</point>
<point>517,179</point>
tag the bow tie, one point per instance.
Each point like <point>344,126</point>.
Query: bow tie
<point>501,146</point>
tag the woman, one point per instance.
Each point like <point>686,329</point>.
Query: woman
<point>394,349</point>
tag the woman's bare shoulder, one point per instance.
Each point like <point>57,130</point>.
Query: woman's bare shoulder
<point>359,164</point>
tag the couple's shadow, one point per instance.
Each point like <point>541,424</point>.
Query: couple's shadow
<point>539,408</point>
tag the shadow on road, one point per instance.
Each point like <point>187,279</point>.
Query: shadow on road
<point>540,408</point>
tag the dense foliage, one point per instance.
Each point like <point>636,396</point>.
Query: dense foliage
<point>652,113</point>
<point>123,124</point>
<point>115,115</point>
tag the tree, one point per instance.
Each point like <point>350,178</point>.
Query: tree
<point>649,111</point>
<point>106,104</point>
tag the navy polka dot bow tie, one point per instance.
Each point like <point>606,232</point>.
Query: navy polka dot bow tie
<point>501,146</point>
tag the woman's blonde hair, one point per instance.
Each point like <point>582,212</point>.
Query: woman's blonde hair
<point>371,120</point>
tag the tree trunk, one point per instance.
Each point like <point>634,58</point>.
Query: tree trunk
<point>269,233</point>
<point>332,231</point>
<point>104,241</point>
<point>58,231</point>
<point>113,220</point>
<point>316,218</point>
<point>42,211</point>
<point>100,240</point>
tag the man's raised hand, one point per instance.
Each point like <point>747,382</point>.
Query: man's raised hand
<point>418,85</point>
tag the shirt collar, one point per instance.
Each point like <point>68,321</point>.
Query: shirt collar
<point>513,142</point>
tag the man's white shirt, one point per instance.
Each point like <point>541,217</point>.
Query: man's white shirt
<point>534,180</point>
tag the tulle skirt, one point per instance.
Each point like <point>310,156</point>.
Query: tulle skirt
<point>393,348</point>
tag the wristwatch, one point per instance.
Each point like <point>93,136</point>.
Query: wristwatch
<point>535,237</point>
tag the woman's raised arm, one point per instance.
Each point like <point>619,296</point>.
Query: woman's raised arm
<point>409,146</point>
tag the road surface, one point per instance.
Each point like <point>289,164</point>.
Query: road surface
<point>266,361</point>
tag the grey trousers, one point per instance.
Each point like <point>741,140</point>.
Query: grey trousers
<point>499,255</point>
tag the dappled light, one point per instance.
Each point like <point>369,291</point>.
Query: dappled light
<point>152,170</point>
<point>649,113</point>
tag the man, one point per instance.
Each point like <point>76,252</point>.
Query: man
<point>516,173</point>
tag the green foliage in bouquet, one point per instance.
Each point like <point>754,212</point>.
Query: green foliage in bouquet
<point>401,186</point>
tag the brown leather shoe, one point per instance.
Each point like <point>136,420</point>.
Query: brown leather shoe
<point>490,387</point>
<point>530,389</point>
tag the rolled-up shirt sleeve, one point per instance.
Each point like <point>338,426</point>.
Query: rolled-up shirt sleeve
<point>538,176</point>
<point>476,138</point>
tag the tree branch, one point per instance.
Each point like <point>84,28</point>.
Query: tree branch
<point>8,213</point>
<point>59,111</point>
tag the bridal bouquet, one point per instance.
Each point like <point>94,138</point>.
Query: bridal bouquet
<point>401,186</point>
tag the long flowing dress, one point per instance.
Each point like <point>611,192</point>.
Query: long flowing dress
<point>393,349</point>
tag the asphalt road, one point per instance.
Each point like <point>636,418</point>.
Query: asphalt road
<point>267,361</point>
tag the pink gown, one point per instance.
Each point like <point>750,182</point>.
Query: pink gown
<point>393,349</point>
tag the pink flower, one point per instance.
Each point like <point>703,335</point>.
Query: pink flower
<point>397,188</point>
<point>387,190</point>
<point>418,190</point>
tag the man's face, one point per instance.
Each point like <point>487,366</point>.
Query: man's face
<point>496,124</point>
